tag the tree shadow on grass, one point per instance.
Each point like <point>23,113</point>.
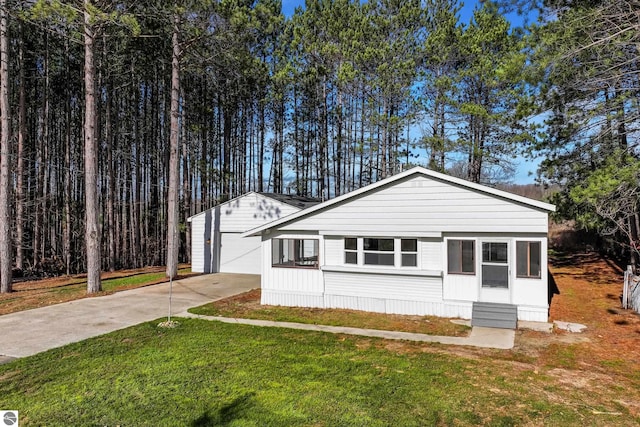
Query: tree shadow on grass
<point>226,414</point>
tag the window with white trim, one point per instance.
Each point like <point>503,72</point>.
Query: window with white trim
<point>461,256</point>
<point>409,252</point>
<point>379,251</point>
<point>350,250</point>
<point>528,259</point>
<point>294,253</point>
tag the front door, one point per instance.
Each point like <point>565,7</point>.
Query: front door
<point>494,273</point>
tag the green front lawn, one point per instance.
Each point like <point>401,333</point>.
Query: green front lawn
<point>247,306</point>
<point>208,373</point>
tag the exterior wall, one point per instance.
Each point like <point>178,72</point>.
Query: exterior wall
<point>197,245</point>
<point>532,295</point>
<point>334,250</point>
<point>426,208</point>
<point>300,287</point>
<point>384,293</point>
<point>430,253</point>
<point>425,205</point>
<point>250,211</point>
<point>215,242</point>
<point>529,294</point>
<point>427,290</point>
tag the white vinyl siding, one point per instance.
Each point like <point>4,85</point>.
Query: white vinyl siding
<point>301,287</point>
<point>334,250</point>
<point>250,211</point>
<point>382,293</point>
<point>430,254</point>
<point>216,234</point>
<point>428,205</point>
<point>197,246</point>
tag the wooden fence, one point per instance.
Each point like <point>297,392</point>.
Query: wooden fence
<point>631,291</point>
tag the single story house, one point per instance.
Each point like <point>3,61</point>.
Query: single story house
<point>216,245</point>
<point>419,242</point>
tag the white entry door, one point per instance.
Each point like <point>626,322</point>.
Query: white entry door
<point>494,272</point>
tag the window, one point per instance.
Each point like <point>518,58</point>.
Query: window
<point>386,252</point>
<point>409,252</point>
<point>461,256</point>
<point>350,250</point>
<point>495,265</point>
<point>495,252</point>
<point>528,261</point>
<point>296,253</point>
<point>379,251</point>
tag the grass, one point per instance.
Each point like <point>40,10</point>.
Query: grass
<point>40,293</point>
<point>248,306</point>
<point>208,373</point>
<point>134,281</point>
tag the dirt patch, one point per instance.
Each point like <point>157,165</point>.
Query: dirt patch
<point>590,289</point>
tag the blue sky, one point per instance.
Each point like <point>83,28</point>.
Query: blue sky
<point>526,168</point>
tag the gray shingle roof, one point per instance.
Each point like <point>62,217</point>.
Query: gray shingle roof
<point>301,202</point>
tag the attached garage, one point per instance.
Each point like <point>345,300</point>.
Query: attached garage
<point>216,242</point>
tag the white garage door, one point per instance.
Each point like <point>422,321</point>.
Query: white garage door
<point>240,255</point>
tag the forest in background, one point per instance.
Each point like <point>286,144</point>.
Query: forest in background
<point>196,102</point>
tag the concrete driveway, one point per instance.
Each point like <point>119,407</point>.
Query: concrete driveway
<point>33,331</point>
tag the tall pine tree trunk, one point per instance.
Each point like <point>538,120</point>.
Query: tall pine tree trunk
<point>22,132</point>
<point>172,210</point>
<point>67,176</point>
<point>92,230</point>
<point>5,153</point>
<point>186,190</point>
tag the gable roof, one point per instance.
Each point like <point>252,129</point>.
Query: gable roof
<point>291,200</point>
<point>535,204</point>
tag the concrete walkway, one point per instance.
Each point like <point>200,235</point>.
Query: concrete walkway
<point>479,336</point>
<point>32,331</point>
